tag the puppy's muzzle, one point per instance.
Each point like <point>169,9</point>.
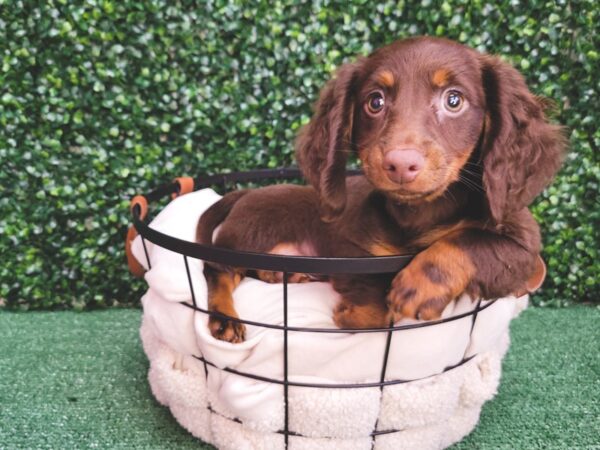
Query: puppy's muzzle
<point>403,165</point>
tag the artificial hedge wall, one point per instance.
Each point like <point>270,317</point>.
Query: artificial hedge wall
<point>101,100</point>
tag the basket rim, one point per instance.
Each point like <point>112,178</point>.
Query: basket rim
<point>254,260</point>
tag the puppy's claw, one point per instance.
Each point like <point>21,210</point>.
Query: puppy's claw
<point>227,330</point>
<point>432,308</point>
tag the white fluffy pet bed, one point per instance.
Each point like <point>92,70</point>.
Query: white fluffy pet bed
<point>234,412</point>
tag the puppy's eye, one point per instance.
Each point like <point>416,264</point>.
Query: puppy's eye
<point>375,103</point>
<point>453,101</point>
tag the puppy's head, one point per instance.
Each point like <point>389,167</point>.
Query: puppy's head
<point>424,113</point>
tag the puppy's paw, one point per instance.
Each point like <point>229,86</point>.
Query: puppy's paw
<point>366,315</point>
<point>269,276</point>
<point>299,278</point>
<point>414,295</point>
<point>226,330</point>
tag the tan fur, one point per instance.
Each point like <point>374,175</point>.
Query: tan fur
<point>414,294</point>
<point>457,165</point>
<point>438,233</point>
<point>440,77</point>
<point>385,249</point>
<point>220,299</point>
<point>386,79</point>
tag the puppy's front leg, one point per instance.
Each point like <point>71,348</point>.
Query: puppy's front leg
<point>482,263</point>
<point>430,281</point>
<point>221,283</point>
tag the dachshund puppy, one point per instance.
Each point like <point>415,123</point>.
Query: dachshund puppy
<point>453,147</point>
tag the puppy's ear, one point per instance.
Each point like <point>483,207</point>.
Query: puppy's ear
<point>323,144</point>
<point>522,151</point>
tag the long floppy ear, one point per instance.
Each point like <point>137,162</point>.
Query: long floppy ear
<point>323,144</point>
<point>522,151</point>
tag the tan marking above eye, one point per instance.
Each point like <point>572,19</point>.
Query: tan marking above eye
<point>386,78</point>
<point>440,77</point>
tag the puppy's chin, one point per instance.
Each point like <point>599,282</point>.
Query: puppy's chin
<point>413,198</point>
<point>404,195</point>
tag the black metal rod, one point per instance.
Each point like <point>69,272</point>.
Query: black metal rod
<point>294,433</point>
<point>473,320</point>
<point>224,179</point>
<point>328,385</point>
<point>189,277</point>
<point>265,261</point>
<point>409,326</point>
<point>285,359</point>
<point>146,253</point>
<point>386,354</point>
<point>380,432</point>
<point>261,261</point>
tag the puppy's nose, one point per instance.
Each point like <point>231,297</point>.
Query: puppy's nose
<point>403,166</point>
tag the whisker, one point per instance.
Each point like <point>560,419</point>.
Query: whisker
<point>470,184</point>
<point>471,173</point>
<point>448,192</point>
<point>470,176</point>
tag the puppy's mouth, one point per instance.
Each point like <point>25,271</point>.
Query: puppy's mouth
<point>428,186</point>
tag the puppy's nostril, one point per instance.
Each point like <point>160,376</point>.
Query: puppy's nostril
<point>414,168</point>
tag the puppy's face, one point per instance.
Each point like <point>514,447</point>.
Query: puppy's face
<point>415,112</point>
<point>418,115</point>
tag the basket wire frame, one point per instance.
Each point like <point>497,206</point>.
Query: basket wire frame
<point>289,264</point>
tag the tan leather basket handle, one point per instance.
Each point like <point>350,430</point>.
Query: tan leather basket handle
<point>186,185</point>
<point>134,265</point>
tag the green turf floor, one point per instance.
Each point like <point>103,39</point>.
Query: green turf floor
<point>78,380</point>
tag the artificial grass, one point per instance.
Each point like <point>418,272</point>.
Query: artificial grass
<point>549,394</point>
<point>78,380</point>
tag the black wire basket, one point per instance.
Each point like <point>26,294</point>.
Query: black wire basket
<point>285,264</point>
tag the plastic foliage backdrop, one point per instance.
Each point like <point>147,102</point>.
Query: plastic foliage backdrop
<point>101,100</point>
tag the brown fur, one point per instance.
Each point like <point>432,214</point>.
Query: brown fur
<point>466,211</point>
